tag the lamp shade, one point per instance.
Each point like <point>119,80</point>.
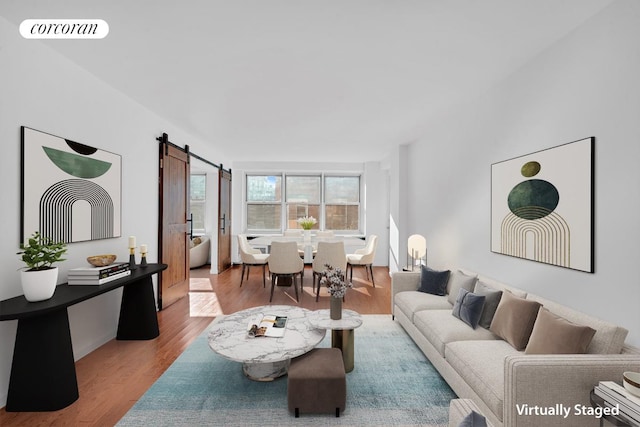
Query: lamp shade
<point>417,246</point>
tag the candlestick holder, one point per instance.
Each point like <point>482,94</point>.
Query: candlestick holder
<point>143,260</point>
<point>132,259</point>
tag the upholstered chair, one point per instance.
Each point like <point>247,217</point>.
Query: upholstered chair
<point>284,261</point>
<point>298,234</point>
<point>331,253</point>
<point>325,234</point>
<point>251,257</point>
<point>364,257</point>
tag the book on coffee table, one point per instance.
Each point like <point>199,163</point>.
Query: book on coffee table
<point>267,326</point>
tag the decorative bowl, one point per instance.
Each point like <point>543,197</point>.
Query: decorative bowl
<point>101,260</point>
<point>631,381</point>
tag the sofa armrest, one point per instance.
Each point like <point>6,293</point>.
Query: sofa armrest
<point>545,381</point>
<point>403,281</point>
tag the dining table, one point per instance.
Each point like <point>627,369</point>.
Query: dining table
<point>308,245</point>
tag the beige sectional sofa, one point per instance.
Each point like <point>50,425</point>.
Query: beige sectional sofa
<point>508,386</point>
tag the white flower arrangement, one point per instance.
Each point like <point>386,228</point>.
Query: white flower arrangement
<point>307,222</point>
<point>334,279</point>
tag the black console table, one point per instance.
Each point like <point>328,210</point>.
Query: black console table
<point>43,373</point>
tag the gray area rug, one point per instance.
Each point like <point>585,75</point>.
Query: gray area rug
<point>393,384</point>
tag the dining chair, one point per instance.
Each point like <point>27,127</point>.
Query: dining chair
<point>284,261</point>
<point>364,257</point>
<point>293,232</point>
<point>325,234</point>
<point>298,233</point>
<point>331,253</point>
<point>251,257</point>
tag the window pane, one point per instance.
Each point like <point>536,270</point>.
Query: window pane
<point>303,189</point>
<point>264,217</point>
<point>197,210</point>
<point>264,188</point>
<point>341,217</point>
<point>341,189</point>
<point>296,210</point>
<point>198,187</point>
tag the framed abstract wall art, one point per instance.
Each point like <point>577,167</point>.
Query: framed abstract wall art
<point>542,206</point>
<point>71,192</point>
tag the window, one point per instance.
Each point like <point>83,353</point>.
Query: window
<point>198,195</point>
<point>264,202</point>
<point>303,199</point>
<point>342,202</point>
<point>275,202</point>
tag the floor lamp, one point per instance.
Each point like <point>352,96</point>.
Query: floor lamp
<point>417,249</point>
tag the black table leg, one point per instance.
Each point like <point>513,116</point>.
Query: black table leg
<point>43,373</point>
<point>138,317</point>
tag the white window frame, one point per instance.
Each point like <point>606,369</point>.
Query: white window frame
<point>284,204</point>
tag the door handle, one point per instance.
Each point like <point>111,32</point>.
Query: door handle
<point>190,221</point>
<point>223,220</point>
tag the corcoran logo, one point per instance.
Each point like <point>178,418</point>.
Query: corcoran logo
<point>64,29</point>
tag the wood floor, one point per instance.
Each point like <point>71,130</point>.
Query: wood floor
<point>112,378</point>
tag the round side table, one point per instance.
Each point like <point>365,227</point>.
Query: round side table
<point>342,332</point>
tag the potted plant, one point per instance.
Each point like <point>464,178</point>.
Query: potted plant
<point>39,278</point>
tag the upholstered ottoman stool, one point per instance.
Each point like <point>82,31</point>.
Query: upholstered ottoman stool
<point>317,383</point>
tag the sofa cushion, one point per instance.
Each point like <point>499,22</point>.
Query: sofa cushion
<point>555,335</point>
<point>432,281</point>
<point>514,320</point>
<point>458,280</point>
<point>468,307</point>
<point>411,302</point>
<point>492,299</point>
<point>439,327</point>
<point>608,339</point>
<point>481,365</point>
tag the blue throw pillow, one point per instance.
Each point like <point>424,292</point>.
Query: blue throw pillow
<point>433,282</point>
<point>468,307</point>
<point>474,419</point>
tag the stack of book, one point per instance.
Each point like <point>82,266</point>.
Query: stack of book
<point>614,395</point>
<point>98,275</point>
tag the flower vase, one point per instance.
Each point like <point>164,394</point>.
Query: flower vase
<point>307,236</point>
<point>335,311</point>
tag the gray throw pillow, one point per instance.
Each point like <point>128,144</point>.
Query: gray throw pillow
<point>491,301</point>
<point>474,419</point>
<point>468,307</point>
<point>432,281</point>
<point>458,280</point>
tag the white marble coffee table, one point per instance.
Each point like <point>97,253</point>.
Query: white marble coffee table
<point>264,358</point>
<point>342,335</point>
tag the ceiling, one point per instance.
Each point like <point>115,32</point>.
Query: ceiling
<point>321,80</point>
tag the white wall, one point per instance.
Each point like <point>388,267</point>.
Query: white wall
<point>43,90</point>
<point>397,167</point>
<point>585,85</point>
<point>375,195</point>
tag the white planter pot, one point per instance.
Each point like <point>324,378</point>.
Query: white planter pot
<point>39,285</point>
<point>307,236</point>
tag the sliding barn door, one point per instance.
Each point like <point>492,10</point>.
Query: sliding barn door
<point>224,219</point>
<point>173,234</point>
